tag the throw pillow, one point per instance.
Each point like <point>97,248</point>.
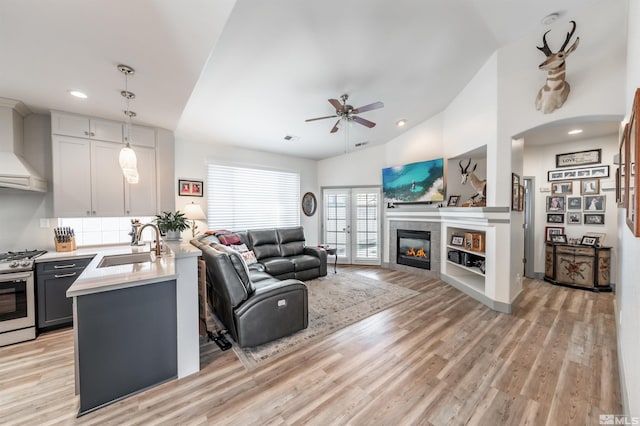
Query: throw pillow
<point>230,239</point>
<point>249,257</point>
<point>240,247</point>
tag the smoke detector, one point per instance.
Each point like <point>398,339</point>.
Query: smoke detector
<point>291,138</point>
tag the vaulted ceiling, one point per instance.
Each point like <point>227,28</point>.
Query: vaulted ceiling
<point>249,73</point>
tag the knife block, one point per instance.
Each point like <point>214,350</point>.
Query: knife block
<point>66,246</point>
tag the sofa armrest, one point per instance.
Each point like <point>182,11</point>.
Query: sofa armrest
<point>321,254</point>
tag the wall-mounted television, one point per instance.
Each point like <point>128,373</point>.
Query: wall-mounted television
<point>421,182</point>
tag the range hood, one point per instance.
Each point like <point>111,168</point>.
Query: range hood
<point>15,172</point>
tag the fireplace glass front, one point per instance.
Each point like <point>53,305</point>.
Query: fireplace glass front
<point>414,248</point>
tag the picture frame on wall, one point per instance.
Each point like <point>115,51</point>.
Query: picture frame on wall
<point>594,219</point>
<point>521,199</point>
<point>562,188</point>
<point>595,203</point>
<point>580,158</point>
<point>622,155</point>
<point>515,191</point>
<point>632,179</point>
<point>574,203</point>
<point>555,203</point>
<point>590,186</point>
<point>555,217</point>
<point>584,173</point>
<point>574,218</point>
<point>553,230</point>
<point>190,188</point>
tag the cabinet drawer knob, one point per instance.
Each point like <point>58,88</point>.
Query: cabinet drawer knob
<point>72,274</point>
<point>86,133</point>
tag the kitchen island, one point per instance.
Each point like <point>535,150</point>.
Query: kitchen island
<point>136,321</point>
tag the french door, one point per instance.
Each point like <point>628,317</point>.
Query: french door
<point>351,224</point>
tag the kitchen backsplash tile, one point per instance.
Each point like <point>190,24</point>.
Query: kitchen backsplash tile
<point>92,231</point>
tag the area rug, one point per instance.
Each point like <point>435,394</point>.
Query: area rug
<point>335,301</point>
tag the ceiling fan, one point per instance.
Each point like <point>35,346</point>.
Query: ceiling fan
<point>347,112</point>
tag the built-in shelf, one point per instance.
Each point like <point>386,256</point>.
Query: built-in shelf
<point>460,248</point>
<point>474,269</point>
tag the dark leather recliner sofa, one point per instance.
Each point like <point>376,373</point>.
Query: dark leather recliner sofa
<point>255,306</point>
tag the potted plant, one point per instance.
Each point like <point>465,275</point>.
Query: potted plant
<point>172,224</point>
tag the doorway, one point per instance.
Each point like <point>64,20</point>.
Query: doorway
<point>351,223</point>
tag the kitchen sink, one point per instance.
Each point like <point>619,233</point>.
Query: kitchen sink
<point>125,259</point>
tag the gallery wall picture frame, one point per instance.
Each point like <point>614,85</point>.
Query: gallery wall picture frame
<point>562,188</point>
<point>515,191</point>
<point>595,203</point>
<point>521,198</point>
<point>574,218</point>
<point>553,230</point>
<point>594,219</point>
<point>574,203</point>
<point>590,186</point>
<point>190,188</point>
<point>580,158</point>
<point>622,155</point>
<point>309,204</point>
<point>555,217</point>
<point>555,203</point>
<point>632,178</point>
<point>584,173</point>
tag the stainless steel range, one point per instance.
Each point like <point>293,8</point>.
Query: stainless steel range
<point>17,296</point>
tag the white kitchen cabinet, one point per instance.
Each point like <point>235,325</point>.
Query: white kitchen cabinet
<point>141,198</point>
<point>66,124</point>
<point>87,179</point>
<point>143,136</point>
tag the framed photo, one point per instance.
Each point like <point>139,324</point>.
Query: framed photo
<point>601,236</point>
<point>190,188</point>
<point>515,191</point>
<point>622,155</point>
<point>590,186</point>
<point>632,179</point>
<point>453,200</point>
<point>580,158</point>
<point>555,203</point>
<point>555,217</point>
<point>574,218</point>
<point>561,188</point>
<point>595,203</point>
<point>553,230</point>
<point>457,240</point>
<point>559,238</point>
<point>585,173</point>
<point>589,241</point>
<point>521,199</point>
<point>574,203</point>
<point>594,219</point>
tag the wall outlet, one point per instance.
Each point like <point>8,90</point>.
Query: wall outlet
<point>44,223</point>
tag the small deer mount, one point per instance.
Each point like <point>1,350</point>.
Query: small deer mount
<point>556,90</point>
<point>480,186</point>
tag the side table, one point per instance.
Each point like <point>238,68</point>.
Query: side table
<point>333,252</point>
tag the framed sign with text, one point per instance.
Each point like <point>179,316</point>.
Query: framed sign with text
<point>580,158</point>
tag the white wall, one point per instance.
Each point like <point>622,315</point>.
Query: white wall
<point>628,291</point>
<point>540,159</point>
<point>191,159</point>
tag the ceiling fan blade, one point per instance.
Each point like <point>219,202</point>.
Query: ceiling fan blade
<point>369,107</point>
<point>335,127</point>
<point>364,122</point>
<point>320,118</point>
<point>337,105</point>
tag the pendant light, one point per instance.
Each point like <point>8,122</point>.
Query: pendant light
<point>127,159</point>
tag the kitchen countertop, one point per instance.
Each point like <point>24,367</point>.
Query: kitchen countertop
<point>95,280</point>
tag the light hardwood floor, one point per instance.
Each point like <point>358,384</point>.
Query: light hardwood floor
<point>439,358</point>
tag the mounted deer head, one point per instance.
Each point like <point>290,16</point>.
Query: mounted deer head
<point>478,185</point>
<point>556,90</point>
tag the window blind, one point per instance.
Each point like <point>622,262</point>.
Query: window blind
<point>244,198</point>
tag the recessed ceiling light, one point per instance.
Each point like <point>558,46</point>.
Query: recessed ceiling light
<point>401,123</point>
<point>574,131</point>
<point>77,94</point>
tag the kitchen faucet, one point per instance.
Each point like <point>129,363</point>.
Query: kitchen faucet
<point>155,227</point>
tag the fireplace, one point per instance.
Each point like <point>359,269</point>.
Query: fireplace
<point>414,248</point>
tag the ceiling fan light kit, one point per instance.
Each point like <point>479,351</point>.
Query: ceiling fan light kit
<point>346,112</point>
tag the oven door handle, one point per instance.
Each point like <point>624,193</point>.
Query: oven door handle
<point>73,265</point>
<point>72,274</point>
<point>15,276</point>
